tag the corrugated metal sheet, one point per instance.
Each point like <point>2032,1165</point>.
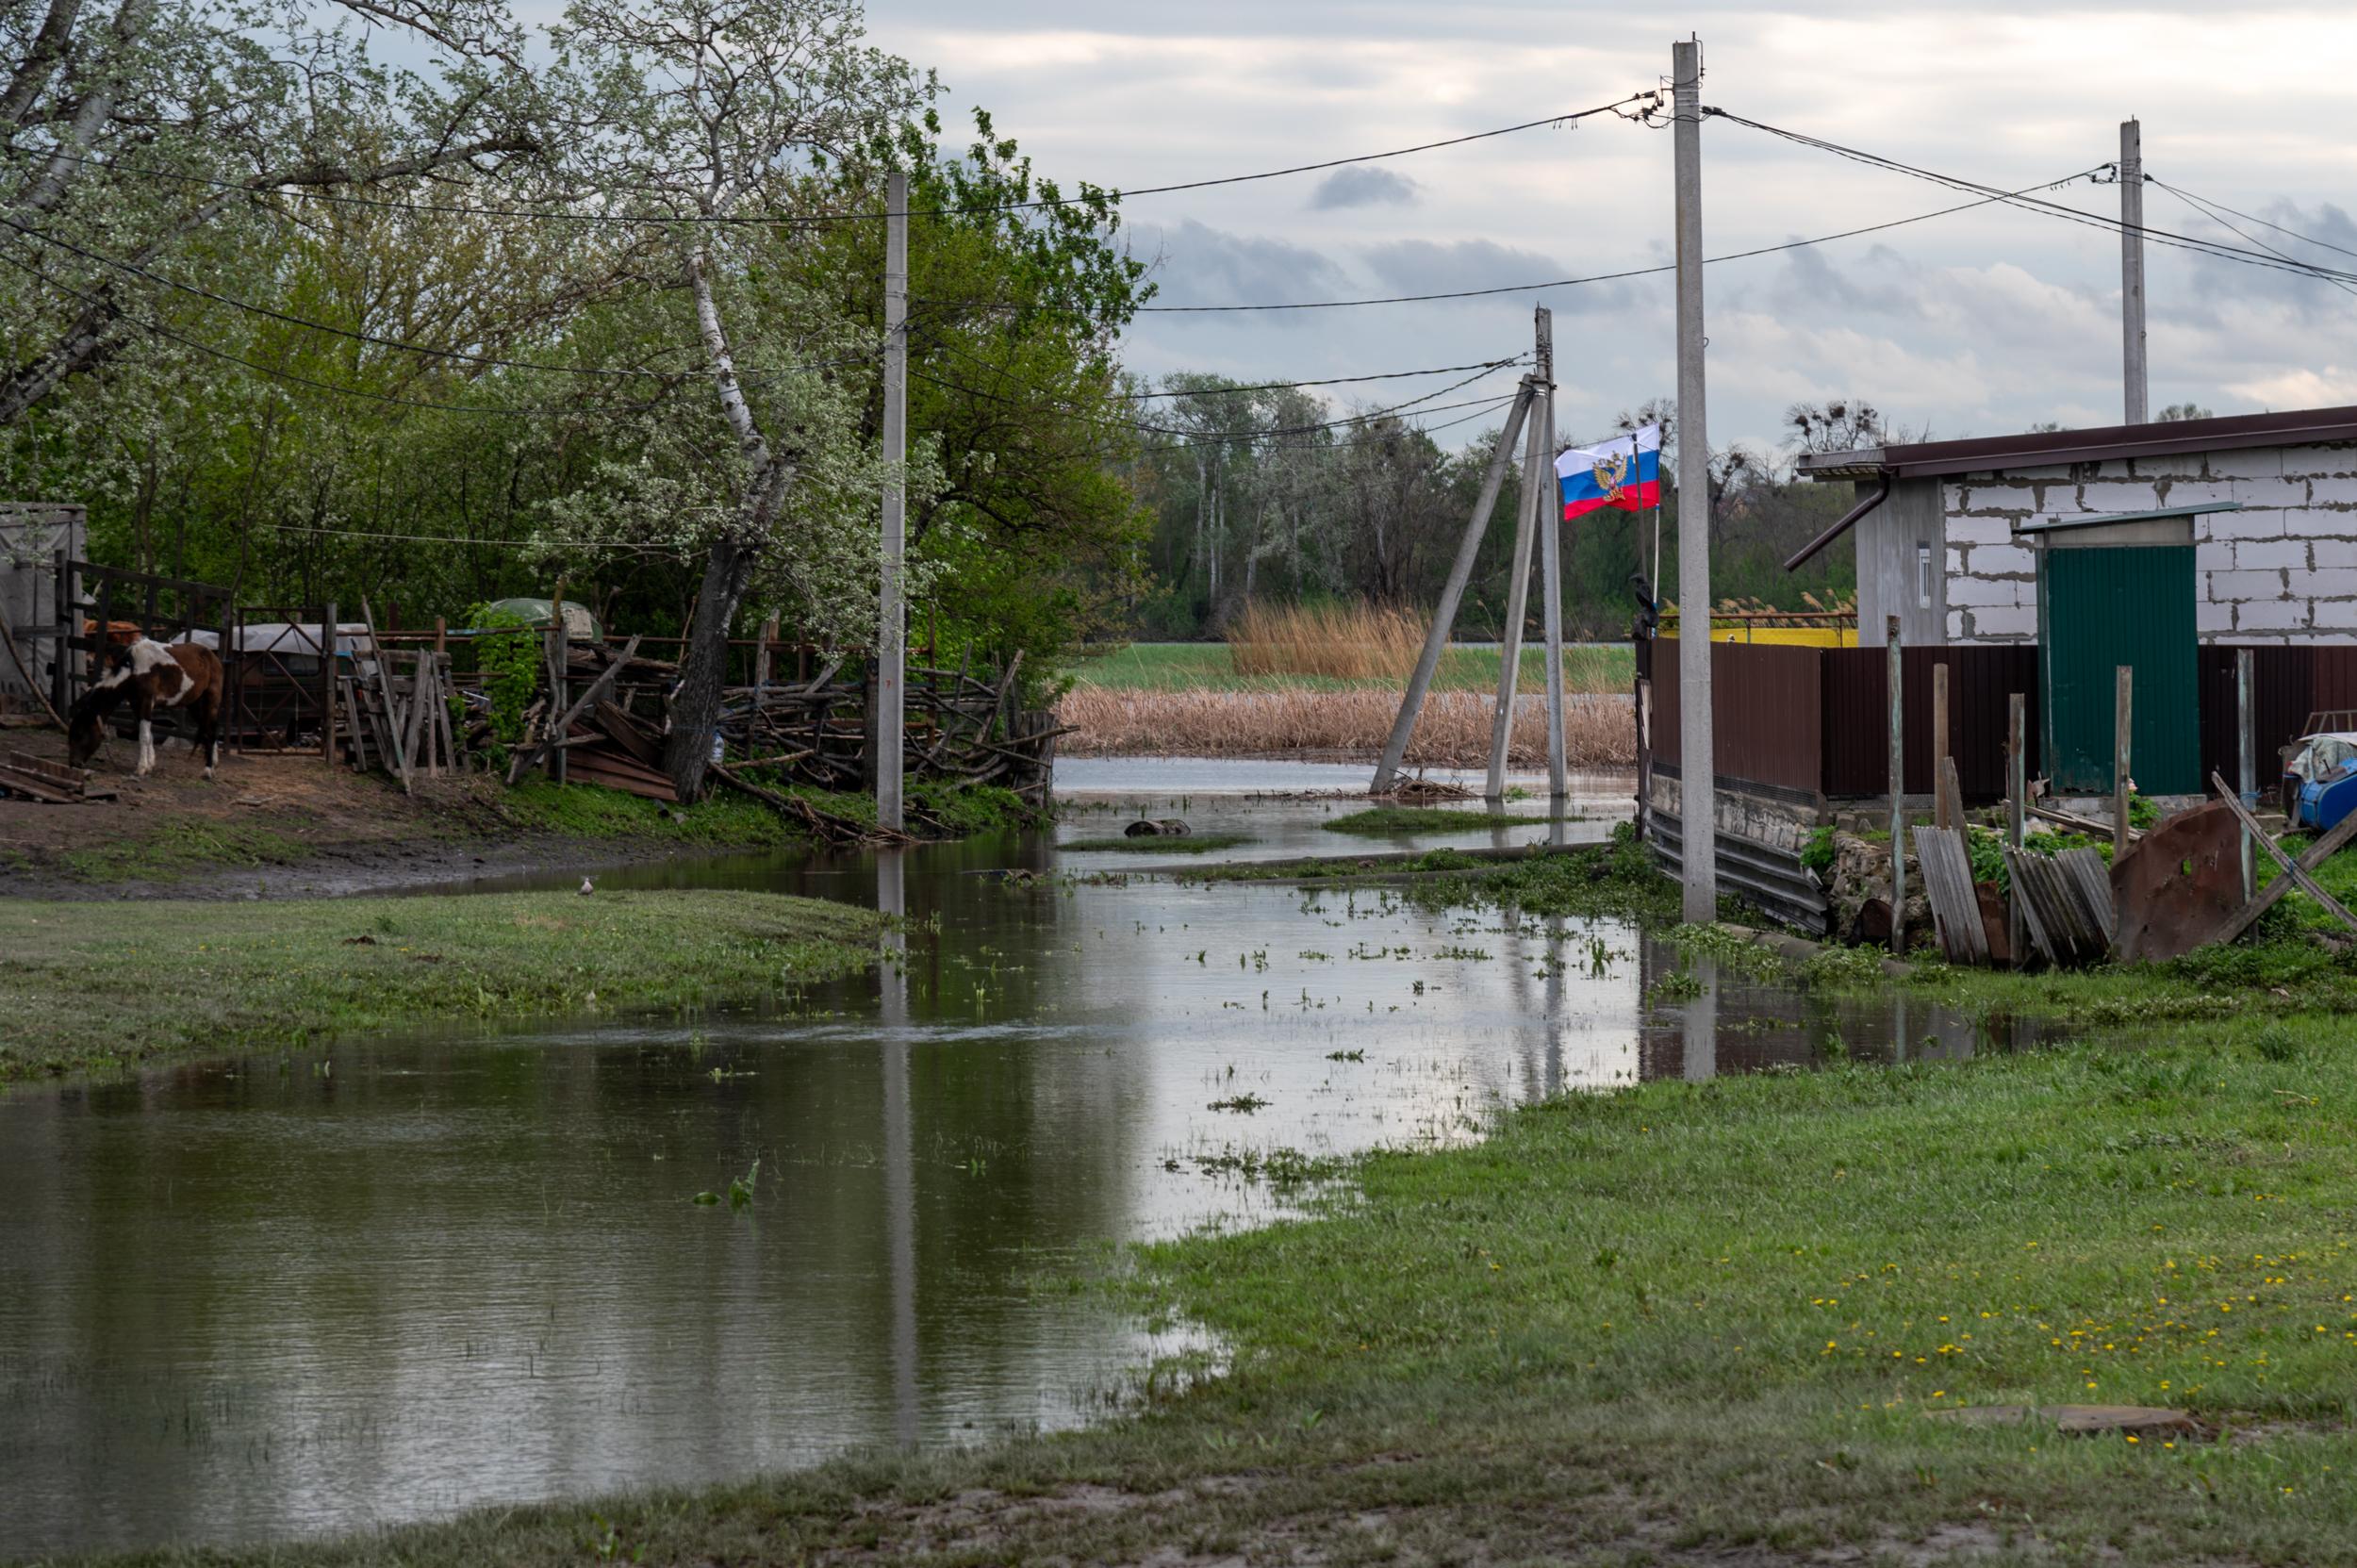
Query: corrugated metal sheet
<point>1769,712</point>
<point>2288,684</point>
<point>2101,609</point>
<point>1981,680</point>
<point>1818,720</point>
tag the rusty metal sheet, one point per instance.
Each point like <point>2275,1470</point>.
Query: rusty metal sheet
<point>2181,885</point>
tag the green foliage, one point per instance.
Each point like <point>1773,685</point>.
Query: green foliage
<point>2142,814</point>
<point>509,662</point>
<point>1395,822</point>
<point>1817,852</point>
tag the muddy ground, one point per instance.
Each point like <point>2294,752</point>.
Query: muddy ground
<point>274,827</point>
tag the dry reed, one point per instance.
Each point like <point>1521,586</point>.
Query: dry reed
<point>1354,641</point>
<point>1454,731</point>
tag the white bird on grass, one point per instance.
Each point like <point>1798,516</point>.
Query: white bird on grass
<point>586,888</point>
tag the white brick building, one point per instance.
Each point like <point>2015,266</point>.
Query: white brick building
<point>1946,531</point>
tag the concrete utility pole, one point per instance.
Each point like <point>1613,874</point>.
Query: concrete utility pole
<point>891,638</point>
<point>2133,375</point>
<point>1698,792</point>
<point>1551,558</point>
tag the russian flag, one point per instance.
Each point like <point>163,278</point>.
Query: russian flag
<point>1624,471</point>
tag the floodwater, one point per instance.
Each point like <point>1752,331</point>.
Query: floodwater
<point>268,1296</point>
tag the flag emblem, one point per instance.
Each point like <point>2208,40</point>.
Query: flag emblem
<point>1624,471</point>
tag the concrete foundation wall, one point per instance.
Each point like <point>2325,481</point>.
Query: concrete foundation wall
<point>2283,569</point>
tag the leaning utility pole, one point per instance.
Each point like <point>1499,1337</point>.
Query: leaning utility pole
<point>2134,373</point>
<point>1444,613</point>
<point>1698,792</point>
<point>1551,557</point>
<point>891,639</point>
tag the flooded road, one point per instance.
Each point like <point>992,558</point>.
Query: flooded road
<point>276,1295</point>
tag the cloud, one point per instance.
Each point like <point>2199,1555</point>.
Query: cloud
<point>1438,267</point>
<point>1196,264</point>
<point>1361,186</point>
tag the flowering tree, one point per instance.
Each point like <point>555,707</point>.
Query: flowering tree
<point>717,125</point>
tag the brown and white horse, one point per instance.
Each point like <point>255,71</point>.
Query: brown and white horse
<point>152,675</point>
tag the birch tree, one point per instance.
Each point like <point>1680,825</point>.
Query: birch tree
<point>712,121</point>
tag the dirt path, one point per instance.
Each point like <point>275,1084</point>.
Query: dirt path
<point>281,827</point>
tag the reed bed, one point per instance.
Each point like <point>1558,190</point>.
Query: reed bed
<point>1351,641</point>
<point>1454,731</point>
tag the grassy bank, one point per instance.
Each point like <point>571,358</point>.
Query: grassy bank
<point>1690,1324</point>
<point>96,988</point>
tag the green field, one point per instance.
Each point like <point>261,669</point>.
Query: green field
<point>1208,666</point>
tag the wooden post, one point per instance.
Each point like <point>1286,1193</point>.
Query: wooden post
<point>327,685</point>
<point>1444,613</point>
<point>1894,666</point>
<point>441,634</point>
<point>1527,516</point>
<point>61,591</point>
<point>2016,804</point>
<point>1942,808</point>
<point>2246,749</point>
<point>559,650</point>
<point>2123,704</point>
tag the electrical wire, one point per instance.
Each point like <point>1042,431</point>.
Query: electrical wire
<point>2203,207</point>
<point>451,538</point>
<point>424,350</point>
<point>2252,218</point>
<point>1088,196</point>
<point>1079,409</point>
<point>1614,277</point>
<point>2164,237</point>
<point>273,372</point>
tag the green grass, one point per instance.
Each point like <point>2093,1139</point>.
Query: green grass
<point>97,989</point>
<point>1192,844</point>
<point>1691,1324</point>
<point>1208,666</point>
<point>172,852</point>
<point>1379,821</point>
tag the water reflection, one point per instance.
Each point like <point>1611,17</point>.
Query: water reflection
<point>266,1296</point>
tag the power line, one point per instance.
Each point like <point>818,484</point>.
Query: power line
<point>2201,207</point>
<point>452,538</point>
<point>2252,218</point>
<point>1614,277</point>
<point>2033,204</point>
<point>425,350</point>
<point>1088,197</point>
<point>273,372</point>
<point>1080,412</point>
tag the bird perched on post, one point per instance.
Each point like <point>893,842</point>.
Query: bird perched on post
<point>586,888</point>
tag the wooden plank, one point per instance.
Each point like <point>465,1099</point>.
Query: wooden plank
<point>2315,855</point>
<point>1947,800</point>
<point>526,757</point>
<point>2292,868</point>
<point>616,722</point>
<point>55,773</point>
<point>1948,883</point>
<point>34,785</point>
<point>385,690</point>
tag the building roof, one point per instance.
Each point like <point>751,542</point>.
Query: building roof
<point>2046,448</point>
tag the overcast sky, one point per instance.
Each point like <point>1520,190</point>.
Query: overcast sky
<point>1977,323</point>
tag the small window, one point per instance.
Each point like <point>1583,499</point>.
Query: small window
<point>1922,577</point>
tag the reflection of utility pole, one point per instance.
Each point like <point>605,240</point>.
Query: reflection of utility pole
<point>900,1158</point>
<point>1701,1059</point>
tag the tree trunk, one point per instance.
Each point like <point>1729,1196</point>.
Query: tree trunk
<point>704,667</point>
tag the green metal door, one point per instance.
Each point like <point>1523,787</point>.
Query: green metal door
<point>2099,607</point>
